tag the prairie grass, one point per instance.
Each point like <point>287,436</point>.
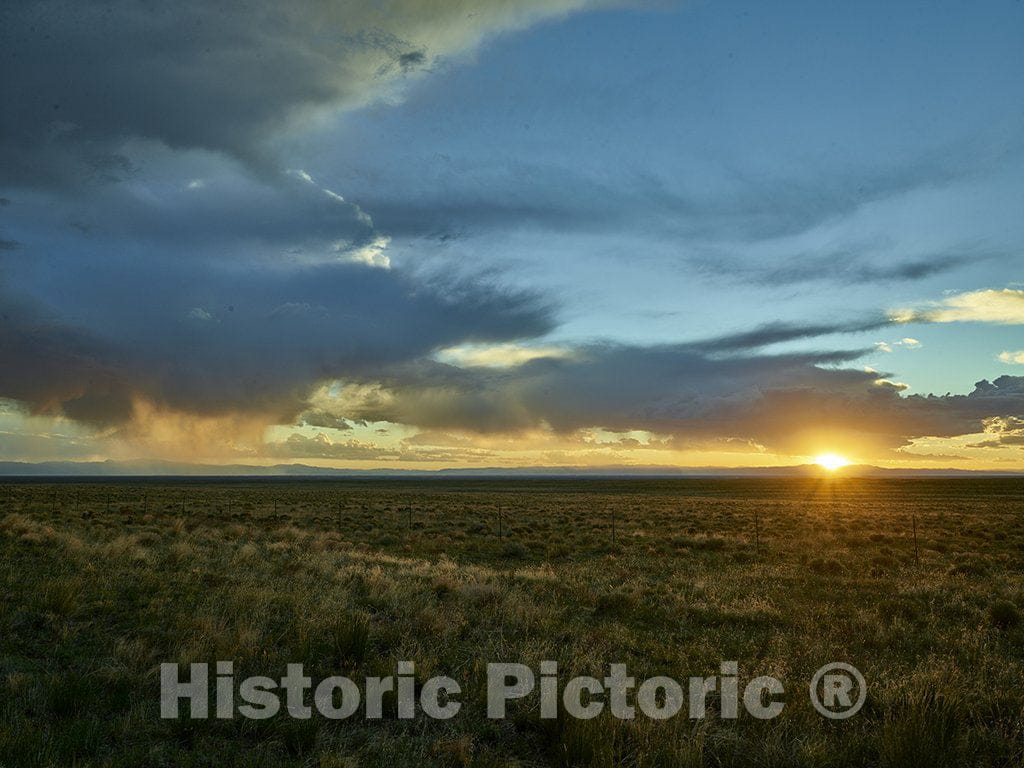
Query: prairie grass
<point>349,577</point>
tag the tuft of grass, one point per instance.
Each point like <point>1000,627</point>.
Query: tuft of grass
<point>479,595</point>
<point>62,597</point>
<point>350,639</point>
<point>923,727</point>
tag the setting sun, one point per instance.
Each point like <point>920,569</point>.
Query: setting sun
<point>830,461</point>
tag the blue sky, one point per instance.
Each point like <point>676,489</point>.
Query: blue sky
<point>799,134</point>
<point>319,232</point>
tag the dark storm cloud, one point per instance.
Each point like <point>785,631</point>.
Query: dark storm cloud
<point>880,414</point>
<point>55,367</point>
<point>771,400</point>
<point>152,264</point>
<point>619,387</point>
<point>222,344</point>
<point>219,213</point>
<point>177,275</point>
<point>81,77</point>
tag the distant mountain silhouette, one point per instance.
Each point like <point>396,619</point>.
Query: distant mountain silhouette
<point>155,468</point>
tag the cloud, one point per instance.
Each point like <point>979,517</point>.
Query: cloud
<point>849,266</point>
<point>145,371</point>
<point>170,281</point>
<point>1012,358</point>
<point>371,254</point>
<point>1002,431</point>
<point>130,336</point>
<point>57,368</point>
<point>23,438</point>
<point>776,333</point>
<point>1003,307</point>
<point>498,355</point>
<point>889,346</point>
<point>169,263</point>
<point>786,403</point>
<point>238,296</point>
<point>198,313</point>
<point>226,77</point>
<point>474,196</point>
<point>19,445</point>
<point>233,216</point>
<point>316,418</point>
<point>321,446</point>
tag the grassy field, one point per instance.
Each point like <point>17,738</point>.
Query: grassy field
<point>102,582</point>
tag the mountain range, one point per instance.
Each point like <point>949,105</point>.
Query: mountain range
<point>155,468</point>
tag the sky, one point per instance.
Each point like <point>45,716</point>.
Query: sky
<point>512,233</point>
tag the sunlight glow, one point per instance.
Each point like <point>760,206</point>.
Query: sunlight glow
<point>830,461</point>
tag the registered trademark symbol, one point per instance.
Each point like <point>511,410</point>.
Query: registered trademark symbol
<point>838,690</point>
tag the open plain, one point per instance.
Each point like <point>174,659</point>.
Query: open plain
<point>918,583</point>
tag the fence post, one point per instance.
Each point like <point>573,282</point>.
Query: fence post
<point>757,532</point>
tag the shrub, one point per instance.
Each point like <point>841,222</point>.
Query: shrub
<point>822,566</point>
<point>1003,614</point>
<point>515,550</point>
<point>613,604</point>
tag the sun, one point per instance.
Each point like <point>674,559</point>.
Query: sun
<point>830,461</point>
